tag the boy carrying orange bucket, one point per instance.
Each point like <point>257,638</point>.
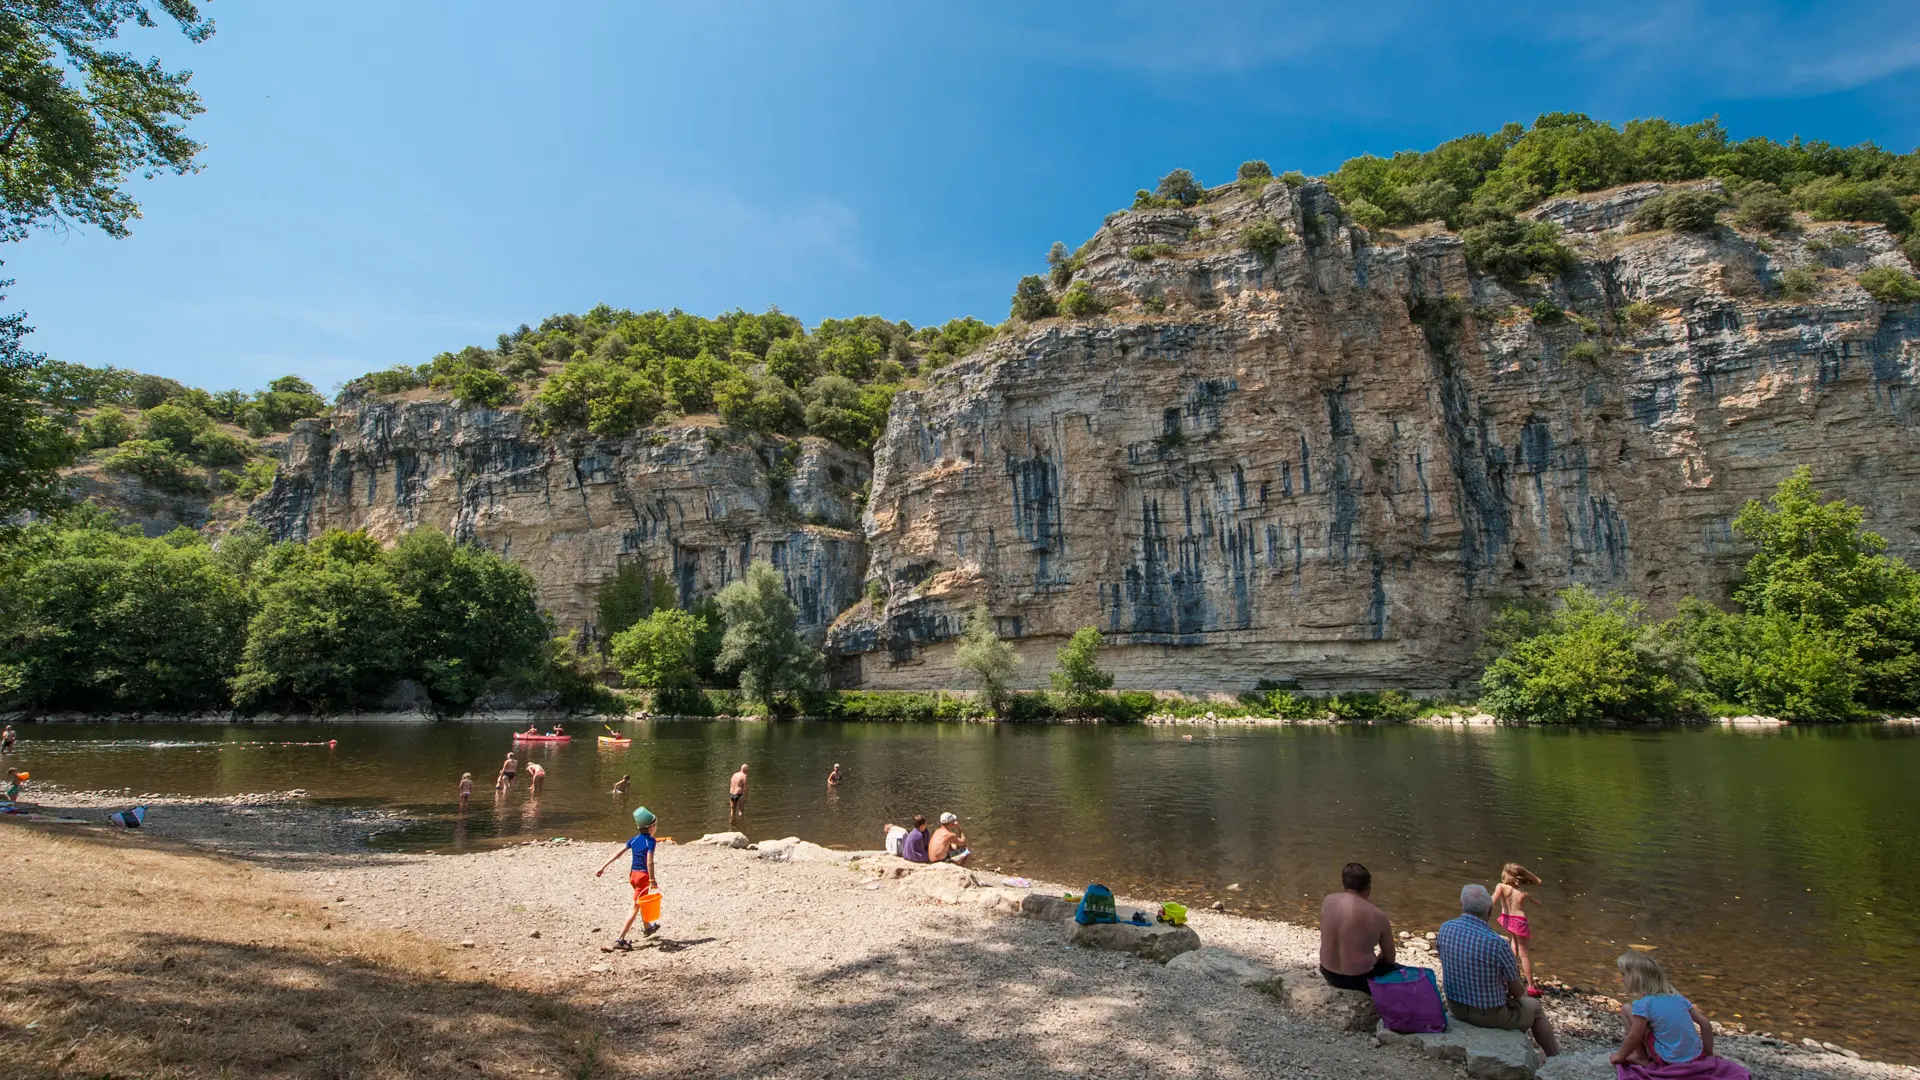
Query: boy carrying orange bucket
<point>646,892</point>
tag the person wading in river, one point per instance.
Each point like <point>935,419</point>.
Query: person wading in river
<point>1351,929</point>
<point>736,795</point>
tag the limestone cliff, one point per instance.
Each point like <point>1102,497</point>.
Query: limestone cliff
<point>1331,466</point>
<point>693,500</point>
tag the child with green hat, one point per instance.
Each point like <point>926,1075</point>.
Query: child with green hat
<point>641,877</point>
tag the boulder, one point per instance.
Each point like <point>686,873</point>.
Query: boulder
<point>1591,1065</point>
<point>1048,908</point>
<point>1157,942</point>
<point>1228,967</point>
<point>1306,993</point>
<point>1488,1053</point>
<point>941,882</point>
<point>995,899</point>
<point>724,839</point>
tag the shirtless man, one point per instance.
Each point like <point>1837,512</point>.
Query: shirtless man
<point>737,794</point>
<point>1351,929</point>
<point>833,778</point>
<point>536,777</point>
<point>620,787</point>
<point>508,770</point>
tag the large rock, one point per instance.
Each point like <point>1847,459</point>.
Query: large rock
<point>1591,1065</point>
<point>1306,993</point>
<point>695,502</point>
<point>1488,1053</point>
<point>1319,466</point>
<point>1157,942</point>
<point>941,882</point>
<point>1048,908</point>
<point>1228,967</point>
<point>723,839</point>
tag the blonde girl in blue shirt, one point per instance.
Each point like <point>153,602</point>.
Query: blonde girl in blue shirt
<point>1663,1028</point>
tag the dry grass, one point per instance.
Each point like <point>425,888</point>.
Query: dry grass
<point>122,960</point>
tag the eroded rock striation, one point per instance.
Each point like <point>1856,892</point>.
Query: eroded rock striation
<point>695,501</point>
<point>1331,466</point>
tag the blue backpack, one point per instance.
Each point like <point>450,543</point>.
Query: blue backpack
<point>1096,906</point>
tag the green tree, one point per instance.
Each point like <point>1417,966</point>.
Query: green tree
<point>1890,285</point>
<point>1179,186</point>
<point>34,446</point>
<point>1031,300</point>
<point>175,425</point>
<point>1590,659</point>
<point>153,461</point>
<point>1077,677</point>
<point>107,428</point>
<point>1763,207</point>
<point>657,653</point>
<point>330,633</point>
<point>471,616</point>
<point>992,662</point>
<point>1512,251</point>
<point>633,593</point>
<point>1254,170</point>
<point>1264,239</point>
<point>1080,301</point>
<point>762,642</point>
<point>79,117</point>
<point>94,618</point>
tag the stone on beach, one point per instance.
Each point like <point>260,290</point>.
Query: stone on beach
<point>1214,962</point>
<point>1308,995</point>
<point>724,839</point>
<point>1590,1065</point>
<point>1048,908</point>
<point>943,882</point>
<point>1157,942</point>
<point>1488,1053</point>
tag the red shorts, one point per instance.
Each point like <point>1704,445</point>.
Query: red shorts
<point>640,882</point>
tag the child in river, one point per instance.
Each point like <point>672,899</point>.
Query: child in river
<point>620,787</point>
<point>1510,902</point>
<point>466,790</point>
<point>641,877</point>
<point>1664,1028</point>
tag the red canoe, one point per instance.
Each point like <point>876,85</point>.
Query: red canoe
<point>521,736</point>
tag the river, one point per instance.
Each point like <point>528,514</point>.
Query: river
<point>1776,874</point>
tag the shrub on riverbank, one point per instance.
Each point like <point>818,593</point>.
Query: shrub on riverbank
<point>94,618</point>
<point>1828,628</point>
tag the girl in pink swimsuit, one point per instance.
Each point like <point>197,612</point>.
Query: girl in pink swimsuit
<point>1510,902</point>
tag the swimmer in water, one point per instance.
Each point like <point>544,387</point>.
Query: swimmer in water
<point>833,778</point>
<point>466,790</point>
<point>737,794</point>
<point>620,788</point>
<point>6,740</point>
<point>536,777</point>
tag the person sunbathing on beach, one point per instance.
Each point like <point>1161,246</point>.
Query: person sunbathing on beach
<point>1664,1029</point>
<point>1510,904</point>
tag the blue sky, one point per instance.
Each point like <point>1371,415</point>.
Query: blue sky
<point>387,180</point>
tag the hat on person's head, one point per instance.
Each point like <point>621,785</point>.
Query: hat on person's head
<point>642,816</point>
<point>948,818</point>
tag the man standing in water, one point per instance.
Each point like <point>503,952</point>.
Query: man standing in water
<point>833,778</point>
<point>737,794</point>
<point>1351,929</point>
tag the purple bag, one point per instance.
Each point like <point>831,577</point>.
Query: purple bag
<point>1409,1001</point>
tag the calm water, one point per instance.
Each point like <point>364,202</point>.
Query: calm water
<point>1777,874</point>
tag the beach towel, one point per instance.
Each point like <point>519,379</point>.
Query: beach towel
<point>1409,1001</point>
<point>129,818</point>
<point>1703,1067</point>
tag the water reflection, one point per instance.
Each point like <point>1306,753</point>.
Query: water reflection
<point>1775,873</point>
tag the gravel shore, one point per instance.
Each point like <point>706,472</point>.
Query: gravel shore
<point>776,968</point>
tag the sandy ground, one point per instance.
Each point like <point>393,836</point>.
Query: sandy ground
<point>792,969</point>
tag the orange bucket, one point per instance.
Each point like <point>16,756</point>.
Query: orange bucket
<point>649,905</point>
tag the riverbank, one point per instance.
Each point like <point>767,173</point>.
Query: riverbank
<point>764,967</point>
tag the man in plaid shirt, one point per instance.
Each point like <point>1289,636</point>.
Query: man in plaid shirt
<point>1479,977</point>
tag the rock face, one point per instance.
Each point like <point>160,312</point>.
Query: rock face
<point>694,501</point>
<point>1332,468</point>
